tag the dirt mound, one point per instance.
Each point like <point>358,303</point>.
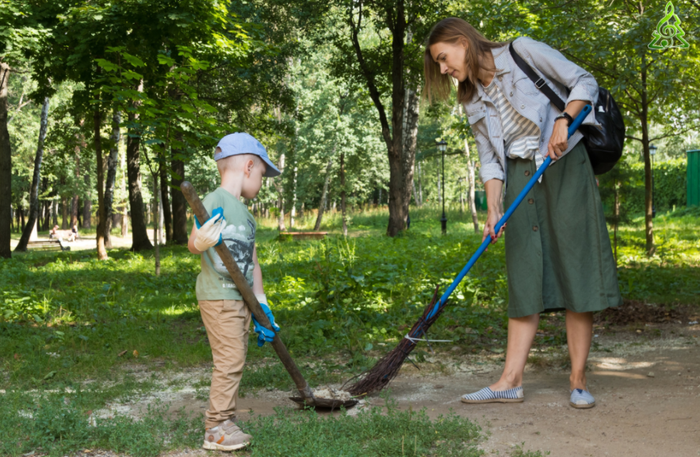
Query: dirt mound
<point>633,311</point>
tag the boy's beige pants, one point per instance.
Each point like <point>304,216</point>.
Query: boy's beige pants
<point>227,323</point>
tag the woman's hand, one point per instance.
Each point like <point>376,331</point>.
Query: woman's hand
<point>493,189</point>
<point>490,226</point>
<point>558,142</point>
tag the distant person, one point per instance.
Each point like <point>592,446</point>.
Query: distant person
<point>242,162</point>
<point>73,235</point>
<point>558,253</point>
<point>53,233</point>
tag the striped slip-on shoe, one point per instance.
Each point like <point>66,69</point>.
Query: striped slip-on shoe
<point>486,395</point>
<point>581,399</point>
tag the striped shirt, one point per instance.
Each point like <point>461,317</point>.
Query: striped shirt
<point>520,135</point>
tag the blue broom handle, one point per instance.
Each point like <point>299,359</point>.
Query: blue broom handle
<point>521,196</point>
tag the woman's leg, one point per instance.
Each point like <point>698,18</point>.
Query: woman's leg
<point>521,332</point>
<point>579,329</point>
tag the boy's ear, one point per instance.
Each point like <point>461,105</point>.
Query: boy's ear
<point>249,165</point>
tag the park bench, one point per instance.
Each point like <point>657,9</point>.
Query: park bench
<point>46,245</point>
<point>303,235</point>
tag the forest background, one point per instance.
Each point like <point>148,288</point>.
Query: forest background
<point>106,105</point>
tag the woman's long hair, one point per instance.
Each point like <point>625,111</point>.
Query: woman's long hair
<point>452,30</point>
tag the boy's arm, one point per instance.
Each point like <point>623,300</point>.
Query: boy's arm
<point>257,276</point>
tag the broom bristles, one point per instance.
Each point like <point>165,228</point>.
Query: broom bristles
<point>388,366</point>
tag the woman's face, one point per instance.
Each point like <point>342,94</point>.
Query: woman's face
<point>451,58</point>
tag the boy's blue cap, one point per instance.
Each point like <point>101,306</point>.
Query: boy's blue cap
<point>243,143</point>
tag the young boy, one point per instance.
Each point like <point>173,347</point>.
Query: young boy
<point>242,162</point>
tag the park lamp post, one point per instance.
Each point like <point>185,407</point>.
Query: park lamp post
<point>652,153</point>
<point>442,147</point>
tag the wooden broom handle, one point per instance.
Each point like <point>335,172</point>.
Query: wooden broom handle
<point>248,296</point>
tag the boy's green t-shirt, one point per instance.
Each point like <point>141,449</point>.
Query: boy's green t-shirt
<point>214,282</point>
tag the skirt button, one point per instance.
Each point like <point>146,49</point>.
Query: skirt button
<point>534,228</point>
<point>531,201</point>
<point>527,172</point>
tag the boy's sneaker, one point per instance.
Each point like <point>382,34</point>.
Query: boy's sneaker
<point>227,436</point>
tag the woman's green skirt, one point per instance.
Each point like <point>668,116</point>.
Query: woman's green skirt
<point>558,253</point>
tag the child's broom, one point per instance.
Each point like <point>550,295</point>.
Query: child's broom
<point>388,367</point>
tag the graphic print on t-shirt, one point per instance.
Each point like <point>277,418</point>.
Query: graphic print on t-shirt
<point>240,241</point>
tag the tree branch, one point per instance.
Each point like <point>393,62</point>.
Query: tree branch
<point>675,133</point>
<point>369,77</point>
<point>638,102</point>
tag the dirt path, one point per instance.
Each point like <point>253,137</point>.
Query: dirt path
<point>647,390</point>
<point>636,415</point>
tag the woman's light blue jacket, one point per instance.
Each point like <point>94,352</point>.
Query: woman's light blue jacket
<point>559,73</point>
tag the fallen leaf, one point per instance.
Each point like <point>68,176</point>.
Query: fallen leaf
<point>17,356</point>
<point>122,353</point>
<point>136,353</point>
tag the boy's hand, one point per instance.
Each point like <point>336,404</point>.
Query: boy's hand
<point>263,333</point>
<point>209,234</point>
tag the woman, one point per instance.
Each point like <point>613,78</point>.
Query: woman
<point>558,253</point>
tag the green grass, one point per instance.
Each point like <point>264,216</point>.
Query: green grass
<point>66,318</point>
<point>376,431</point>
<point>57,424</point>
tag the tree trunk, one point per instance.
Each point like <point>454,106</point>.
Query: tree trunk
<point>156,221</point>
<point>73,211</point>
<point>343,193</point>
<point>138,223</point>
<point>400,164</point>
<point>164,198</point>
<point>5,169</point>
<point>64,213</point>
<point>324,194</point>
<point>112,161</point>
<point>54,213</point>
<point>87,204</point>
<point>415,191</point>
<point>180,235</point>
<point>411,115</point>
<point>125,207</point>
<point>648,196</point>
<point>471,179</point>
<point>420,183</point>
<point>280,198</point>
<point>101,213</point>
<point>293,210</point>
<point>45,211</point>
<point>36,178</point>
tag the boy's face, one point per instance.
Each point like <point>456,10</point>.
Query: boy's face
<point>254,171</point>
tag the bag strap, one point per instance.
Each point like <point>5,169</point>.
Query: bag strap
<point>540,83</point>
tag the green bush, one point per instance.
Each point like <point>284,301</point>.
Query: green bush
<point>670,186</point>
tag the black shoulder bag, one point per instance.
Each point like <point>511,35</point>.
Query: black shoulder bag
<point>605,145</point>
